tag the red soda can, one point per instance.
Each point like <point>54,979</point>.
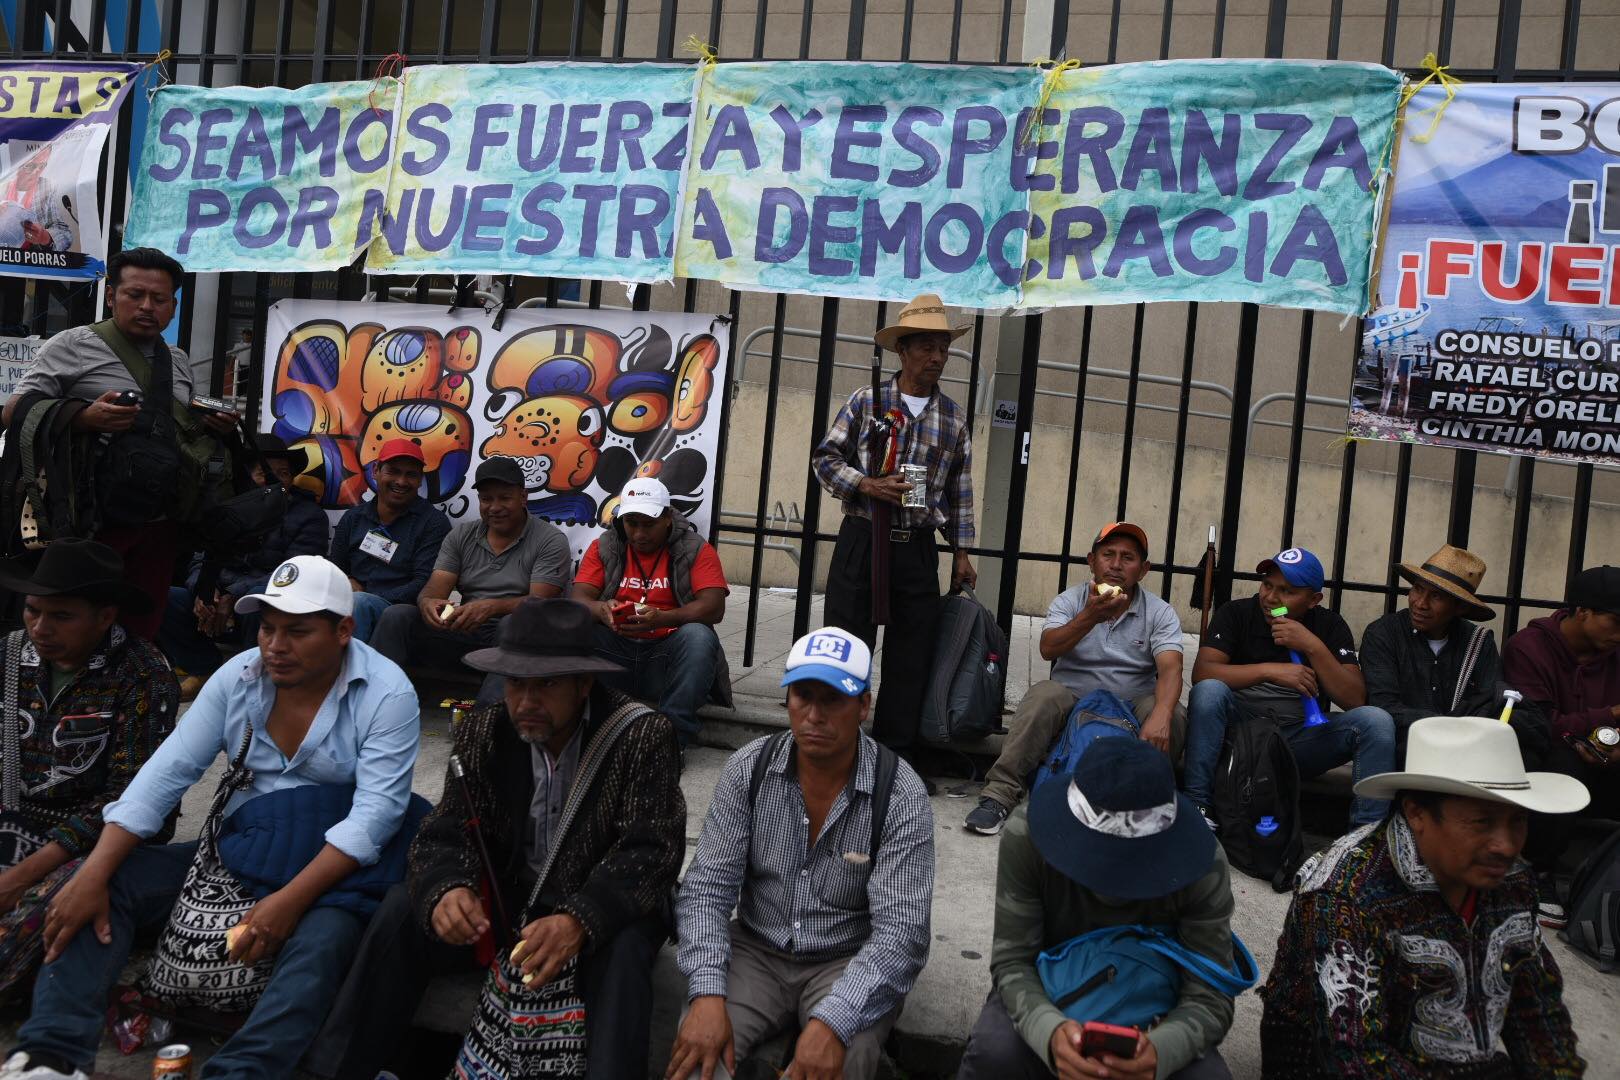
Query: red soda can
<point>172,1063</point>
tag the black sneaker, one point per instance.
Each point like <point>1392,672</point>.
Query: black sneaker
<point>1203,812</point>
<point>987,818</point>
<point>1550,911</point>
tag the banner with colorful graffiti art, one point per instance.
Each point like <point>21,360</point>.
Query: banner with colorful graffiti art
<point>54,121</point>
<point>583,400</point>
<point>1498,327</point>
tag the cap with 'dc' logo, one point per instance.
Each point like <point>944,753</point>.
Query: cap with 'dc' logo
<point>833,656</point>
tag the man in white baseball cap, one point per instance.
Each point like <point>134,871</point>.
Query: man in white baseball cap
<point>658,591</point>
<point>866,886</point>
<point>1413,942</point>
<point>367,736</point>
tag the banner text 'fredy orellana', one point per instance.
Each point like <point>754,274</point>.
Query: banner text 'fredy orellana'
<point>1251,180</point>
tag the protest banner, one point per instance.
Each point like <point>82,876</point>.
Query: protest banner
<point>583,400</point>
<point>1499,324</point>
<point>54,121</point>
<point>1237,180</point>
<point>565,169</point>
<point>866,180</point>
<point>244,178</point>
<point>16,354</point>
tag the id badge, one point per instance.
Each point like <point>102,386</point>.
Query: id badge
<point>379,546</point>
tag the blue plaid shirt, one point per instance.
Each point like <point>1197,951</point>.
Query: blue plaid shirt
<point>813,903</point>
<point>940,440</point>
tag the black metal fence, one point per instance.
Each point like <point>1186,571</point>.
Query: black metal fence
<point>1058,362</point>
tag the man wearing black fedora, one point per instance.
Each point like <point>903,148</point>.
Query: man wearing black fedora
<point>562,763</point>
<point>202,612</point>
<point>93,703</point>
<point>1112,845</point>
<point>1434,659</point>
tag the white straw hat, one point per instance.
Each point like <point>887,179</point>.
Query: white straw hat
<point>1477,758</point>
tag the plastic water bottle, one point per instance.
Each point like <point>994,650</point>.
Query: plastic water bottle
<point>1266,825</point>
<point>1313,711</point>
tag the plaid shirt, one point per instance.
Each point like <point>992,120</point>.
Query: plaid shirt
<point>940,440</point>
<point>816,906</point>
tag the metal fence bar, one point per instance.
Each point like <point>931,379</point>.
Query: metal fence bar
<point>769,440</point>
<point>1178,466</point>
<point>1519,543</point>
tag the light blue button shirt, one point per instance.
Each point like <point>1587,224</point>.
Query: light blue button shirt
<point>365,733</point>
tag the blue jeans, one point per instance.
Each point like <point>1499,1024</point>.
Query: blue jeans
<point>368,608</point>
<point>676,671</point>
<point>70,994</point>
<point>1364,736</point>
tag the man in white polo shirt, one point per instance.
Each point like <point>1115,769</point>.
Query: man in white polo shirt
<point>1106,634</point>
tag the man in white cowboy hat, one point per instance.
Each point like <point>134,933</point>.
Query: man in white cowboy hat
<point>1411,947</point>
<point>929,437</point>
<point>1112,844</point>
<point>1433,659</point>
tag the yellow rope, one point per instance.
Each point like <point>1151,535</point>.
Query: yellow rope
<point>706,56</point>
<point>1448,82</point>
<point>1048,87</point>
<point>162,58</point>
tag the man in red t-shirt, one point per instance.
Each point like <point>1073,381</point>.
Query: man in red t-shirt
<point>659,592</point>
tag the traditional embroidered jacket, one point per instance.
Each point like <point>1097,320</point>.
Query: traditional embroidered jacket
<point>84,742</point>
<point>1376,975</point>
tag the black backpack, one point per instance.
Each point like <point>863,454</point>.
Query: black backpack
<point>1594,907</point>
<point>1255,801</point>
<point>888,763</point>
<point>967,683</point>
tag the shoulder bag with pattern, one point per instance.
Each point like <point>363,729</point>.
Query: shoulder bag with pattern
<point>192,965</point>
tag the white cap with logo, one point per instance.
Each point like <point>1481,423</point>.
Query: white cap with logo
<point>644,495</point>
<point>833,656</point>
<point>301,585</point>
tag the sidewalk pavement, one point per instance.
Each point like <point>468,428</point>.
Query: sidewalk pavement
<point>940,1011</point>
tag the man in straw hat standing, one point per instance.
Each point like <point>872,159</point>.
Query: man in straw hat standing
<point>902,470</point>
<point>616,855</point>
<point>1411,947</point>
<point>1432,660</point>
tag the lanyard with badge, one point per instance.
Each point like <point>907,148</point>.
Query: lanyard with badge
<point>379,545</point>
<point>641,572</point>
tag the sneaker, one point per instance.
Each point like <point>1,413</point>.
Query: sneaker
<point>987,818</point>
<point>1550,912</point>
<point>1203,811</point>
<point>23,1066</point>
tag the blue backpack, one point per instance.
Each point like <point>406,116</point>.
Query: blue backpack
<point>1131,975</point>
<point>1098,715</point>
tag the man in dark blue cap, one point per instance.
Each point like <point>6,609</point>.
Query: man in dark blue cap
<point>1113,844</point>
<point>1274,655</point>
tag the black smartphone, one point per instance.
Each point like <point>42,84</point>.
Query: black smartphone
<point>128,398</point>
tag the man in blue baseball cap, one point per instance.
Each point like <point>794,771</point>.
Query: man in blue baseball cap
<point>1272,656</point>
<point>823,842</point>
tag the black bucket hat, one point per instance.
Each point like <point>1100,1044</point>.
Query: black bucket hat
<point>542,638</point>
<point>74,567</point>
<point>1117,825</point>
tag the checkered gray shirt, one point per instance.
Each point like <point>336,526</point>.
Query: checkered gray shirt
<point>818,906</point>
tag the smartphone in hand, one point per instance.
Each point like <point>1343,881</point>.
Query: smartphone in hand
<point>1099,1039</point>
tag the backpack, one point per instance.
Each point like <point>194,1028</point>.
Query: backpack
<point>1594,907</point>
<point>967,682</point>
<point>888,763</point>
<point>1131,975</point>
<point>1100,714</point>
<point>1255,801</point>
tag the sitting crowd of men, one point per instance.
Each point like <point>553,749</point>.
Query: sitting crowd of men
<point>554,855</point>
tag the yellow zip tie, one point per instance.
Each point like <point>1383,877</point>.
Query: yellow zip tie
<point>1048,87</point>
<point>1448,82</point>
<point>706,56</point>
